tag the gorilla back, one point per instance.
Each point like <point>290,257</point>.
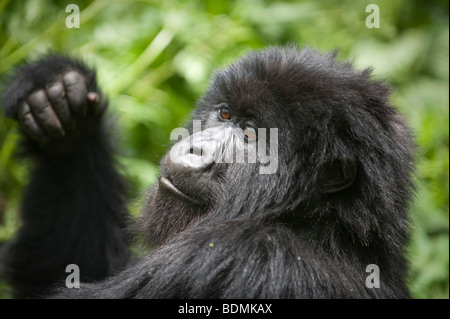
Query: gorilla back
<point>335,202</point>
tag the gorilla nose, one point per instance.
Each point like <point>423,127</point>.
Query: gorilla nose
<point>196,152</point>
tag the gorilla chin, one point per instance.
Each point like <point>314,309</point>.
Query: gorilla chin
<point>167,212</point>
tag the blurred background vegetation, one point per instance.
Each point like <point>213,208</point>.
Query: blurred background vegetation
<point>155,58</point>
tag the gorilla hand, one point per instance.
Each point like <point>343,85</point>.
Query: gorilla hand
<point>56,101</point>
<point>52,113</point>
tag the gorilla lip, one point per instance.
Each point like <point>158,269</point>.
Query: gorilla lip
<point>167,184</point>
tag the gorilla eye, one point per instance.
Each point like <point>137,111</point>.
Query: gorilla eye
<point>249,132</point>
<point>224,113</point>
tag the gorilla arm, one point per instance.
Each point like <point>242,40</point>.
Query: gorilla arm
<point>73,209</point>
<point>234,259</point>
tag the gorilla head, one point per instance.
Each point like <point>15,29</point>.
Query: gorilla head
<point>344,156</point>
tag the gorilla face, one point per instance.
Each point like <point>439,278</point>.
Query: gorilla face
<point>223,150</point>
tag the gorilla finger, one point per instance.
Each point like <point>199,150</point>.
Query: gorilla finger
<point>42,111</point>
<point>30,125</point>
<point>76,92</point>
<point>56,96</point>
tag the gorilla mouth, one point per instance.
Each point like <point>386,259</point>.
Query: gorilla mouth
<point>167,185</point>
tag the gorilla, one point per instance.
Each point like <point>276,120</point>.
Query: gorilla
<point>332,201</point>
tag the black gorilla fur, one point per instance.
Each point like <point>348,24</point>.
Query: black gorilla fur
<point>299,233</point>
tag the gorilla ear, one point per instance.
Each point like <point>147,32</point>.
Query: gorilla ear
<point>337,176</point>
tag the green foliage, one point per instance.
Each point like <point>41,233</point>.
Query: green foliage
<point>155,58</point>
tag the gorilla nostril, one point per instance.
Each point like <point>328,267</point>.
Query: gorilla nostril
<point>196,150</point>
